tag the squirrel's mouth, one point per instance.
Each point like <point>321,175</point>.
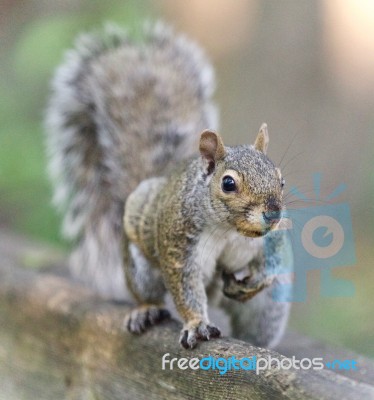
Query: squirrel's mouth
<point>252,232</point>
<point>258,222</point>
<point>255,229</point>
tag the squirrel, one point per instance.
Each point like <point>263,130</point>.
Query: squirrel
<point>124,122</point>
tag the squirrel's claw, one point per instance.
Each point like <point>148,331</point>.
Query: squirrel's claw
<point>190,336</point>
<point>143,317</point>
<point>243,289</point>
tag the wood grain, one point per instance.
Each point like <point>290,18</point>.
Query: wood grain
<point>59,340</point>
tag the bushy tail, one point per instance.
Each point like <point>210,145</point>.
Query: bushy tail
<point>120,111</point>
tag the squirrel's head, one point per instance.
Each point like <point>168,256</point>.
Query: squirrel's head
<point>246,188</point>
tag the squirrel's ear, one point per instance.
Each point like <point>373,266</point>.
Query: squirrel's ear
<point>262,139</point>
<point>211,148</point>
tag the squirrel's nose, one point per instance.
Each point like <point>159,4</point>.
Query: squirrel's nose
<point>272,216</point>
<point>273,213</point>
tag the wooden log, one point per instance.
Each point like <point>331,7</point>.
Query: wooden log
<point>302,346</point>
<point>59,340</point>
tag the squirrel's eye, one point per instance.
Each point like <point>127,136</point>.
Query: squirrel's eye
<point>228,184</point>
<point>283,182</point>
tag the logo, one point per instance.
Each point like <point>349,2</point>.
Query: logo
<point>329,229</point>
<point>256,364</point>
<point>321,237</point>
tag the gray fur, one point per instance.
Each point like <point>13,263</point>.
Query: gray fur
<point>120,112</point>
<point>123,111</point>
<point>262,320</point>
<point>185,226</point>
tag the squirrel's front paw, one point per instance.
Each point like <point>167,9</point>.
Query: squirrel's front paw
<point>194,332</point>
<point>143,317</point>
<point>244,289</point>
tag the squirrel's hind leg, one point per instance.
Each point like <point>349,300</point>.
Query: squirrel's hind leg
<point>260,321</point>
<point>148,289</point>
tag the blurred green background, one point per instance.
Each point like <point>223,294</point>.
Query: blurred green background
<point>305,67</point>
